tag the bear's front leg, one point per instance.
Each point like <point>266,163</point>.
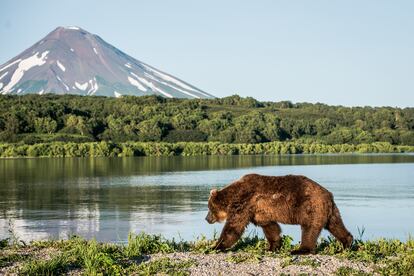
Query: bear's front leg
<point>232,231</point>
<point>308,242</point>
<point>272,232</point>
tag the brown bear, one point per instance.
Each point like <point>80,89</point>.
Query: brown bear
<point>269,200</point>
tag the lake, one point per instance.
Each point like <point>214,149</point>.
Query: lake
<point>106,198</point>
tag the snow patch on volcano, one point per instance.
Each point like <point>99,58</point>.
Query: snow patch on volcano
<point>81,86</point>
<point>64,84</point>
<point>61,66</point>
<point>25,65</point>
<point>11,64</point>
<point>136,83</point>
<point>2,76</point>
<point>169,78</point>
<point>172,86</point>
<point>94,86</point>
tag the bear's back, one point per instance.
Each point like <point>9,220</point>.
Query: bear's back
<point>287,184</point>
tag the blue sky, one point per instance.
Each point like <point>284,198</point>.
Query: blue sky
<point>336,52</point>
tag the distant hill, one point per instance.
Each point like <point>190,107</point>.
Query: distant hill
<point>70,60</point>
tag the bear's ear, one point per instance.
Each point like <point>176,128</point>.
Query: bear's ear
<point>213,192</point>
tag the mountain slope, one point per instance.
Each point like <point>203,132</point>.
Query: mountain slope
<point>70,60</point>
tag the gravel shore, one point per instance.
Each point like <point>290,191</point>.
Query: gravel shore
<point>241,264</point>
<point>223,264</point>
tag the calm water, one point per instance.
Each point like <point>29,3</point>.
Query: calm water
<point>108,197</point>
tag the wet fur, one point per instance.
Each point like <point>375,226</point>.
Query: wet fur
<point>269,200</point>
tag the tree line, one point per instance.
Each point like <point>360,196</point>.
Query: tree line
<point>124,149</point>
<point>32,119</point>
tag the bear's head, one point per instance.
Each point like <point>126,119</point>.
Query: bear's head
<point>217,211</point>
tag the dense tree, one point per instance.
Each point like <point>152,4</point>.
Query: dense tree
<point>150,130</point>
<point>324,126</point>
<point>47,118</point>
<point>45,125</point>
<point>77,124</point>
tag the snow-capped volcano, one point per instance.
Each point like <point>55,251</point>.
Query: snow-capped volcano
<point>70,60</point>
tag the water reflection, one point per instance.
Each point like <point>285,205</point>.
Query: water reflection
<point>108,197</point>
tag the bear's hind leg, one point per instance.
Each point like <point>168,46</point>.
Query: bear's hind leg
<point>272,232</point>
<point>337,228</point>
<point>308,241</point>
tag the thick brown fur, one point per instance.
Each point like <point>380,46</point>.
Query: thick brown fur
<point>269,200</point>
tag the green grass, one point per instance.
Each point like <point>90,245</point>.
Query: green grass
<point>8,259</point>
<point>147,244</point>
<point>164,266</point>
<point>97,258</point>
<point>54,266</point>
<point>244,257</point>
<point>387,256</point>
<point>91,257</point>
<point>308,262</point>
<point>349,271</point>
<point>4,243</point>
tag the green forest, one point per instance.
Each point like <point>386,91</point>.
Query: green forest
<point>33,119</point>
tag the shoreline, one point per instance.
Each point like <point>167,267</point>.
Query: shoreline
<point>129,149</point>
<point>153,255</point>
<point>405,153</point>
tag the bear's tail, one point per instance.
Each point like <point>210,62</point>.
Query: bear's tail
<point>337,228</point>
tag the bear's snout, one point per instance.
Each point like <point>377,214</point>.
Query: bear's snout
<point>209,218</point>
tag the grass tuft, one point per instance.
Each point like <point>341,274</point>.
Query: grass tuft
<point>164,266</point>
<point>244,258</point>
<point>8,259</point>
<point>349,271</point>
<point>55,266</point>
<point>4,243</point>
<point>147,244</point>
